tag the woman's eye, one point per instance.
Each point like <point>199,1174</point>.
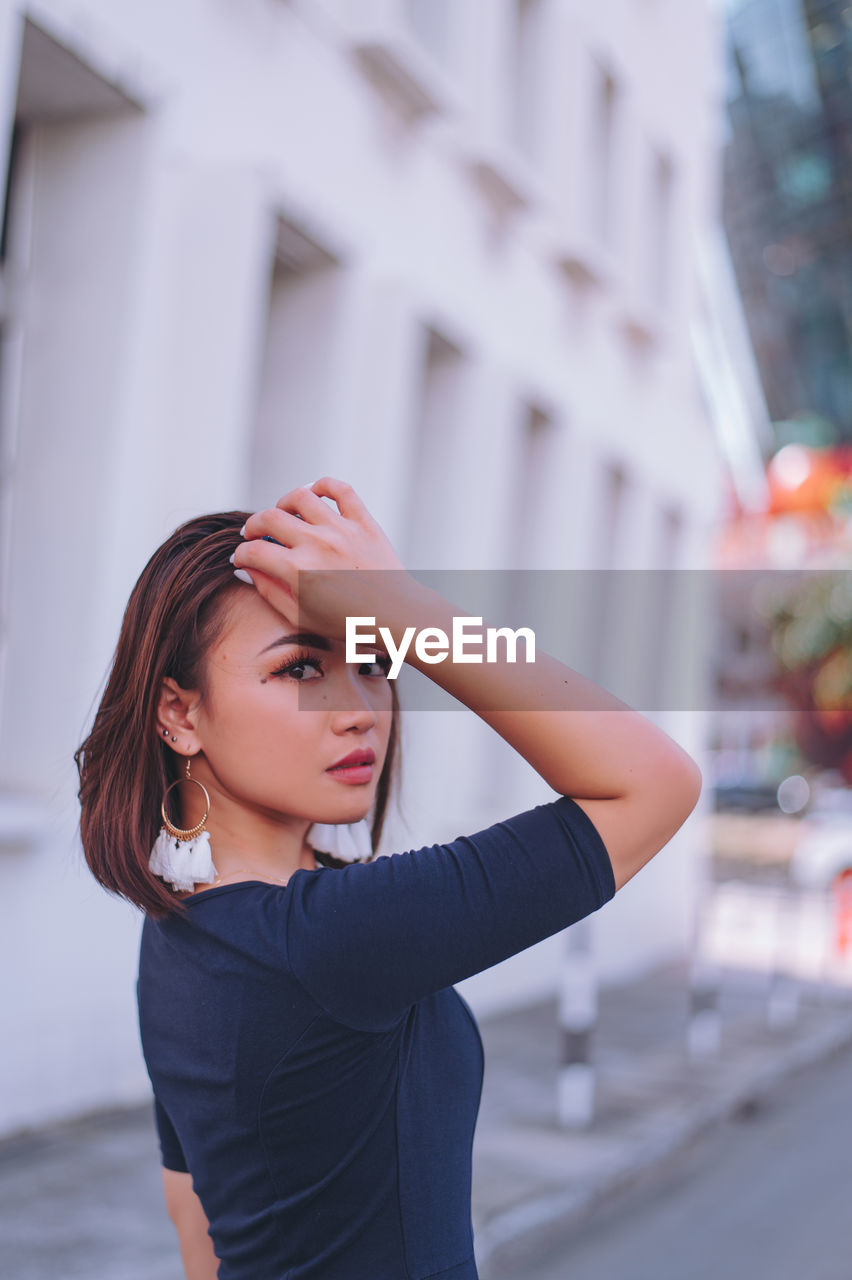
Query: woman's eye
<point>382,663</point>
<point>296,666</point>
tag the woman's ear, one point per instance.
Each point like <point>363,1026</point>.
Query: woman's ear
<point>176,715</point>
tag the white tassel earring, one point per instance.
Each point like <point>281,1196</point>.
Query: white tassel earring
<point>183,857</point>
<point>349,841</point>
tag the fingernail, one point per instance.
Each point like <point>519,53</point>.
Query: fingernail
<point>243,531</point>
<point>231,557</point>
<point>244,577</point>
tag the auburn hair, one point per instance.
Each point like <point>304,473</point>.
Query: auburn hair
<point>175,614</point>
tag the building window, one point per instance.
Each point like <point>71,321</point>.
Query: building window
<point>432,521</point>
<point>601,168</point>
<point>603,619</point>
<point>14,238</point>
<point>14,152</point>
<point>536,461</point>
<point>295,404</point>
<point>76,181</point>
<point>526,71</point>
<point>612,514</point>
<point>661,226</point>
<point>529,541</point>
<point>660,610</point>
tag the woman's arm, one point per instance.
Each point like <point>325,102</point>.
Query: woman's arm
<point>184,1208</point>
<point>636,783</point>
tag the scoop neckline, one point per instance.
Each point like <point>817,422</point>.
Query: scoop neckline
<point>241,884</point>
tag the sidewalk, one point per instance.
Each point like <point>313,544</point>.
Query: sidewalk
<point>84,1198</point>
<point>534,1182</point>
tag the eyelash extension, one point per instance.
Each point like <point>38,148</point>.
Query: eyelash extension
<point>304,657</point>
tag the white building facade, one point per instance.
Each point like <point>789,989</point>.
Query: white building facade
<point>444,250</point>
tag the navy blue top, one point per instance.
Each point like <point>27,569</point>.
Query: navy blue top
<point>313,1067</point>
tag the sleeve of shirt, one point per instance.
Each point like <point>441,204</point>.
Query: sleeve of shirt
<point>368,940</point>
<point>170,1148</point>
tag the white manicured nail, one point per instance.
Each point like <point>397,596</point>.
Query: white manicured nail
<point>244,577</point>
<point>243,532</point>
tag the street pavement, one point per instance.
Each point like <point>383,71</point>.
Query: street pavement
<point>84,1198</point>
<point>535,1184</point>
<point>765,1195</point>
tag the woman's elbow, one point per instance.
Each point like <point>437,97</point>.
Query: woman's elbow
<point>674,798</point>
<point>690,786</point>
<point>636,826</point>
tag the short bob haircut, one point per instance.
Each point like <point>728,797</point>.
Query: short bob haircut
<point>175,614</point>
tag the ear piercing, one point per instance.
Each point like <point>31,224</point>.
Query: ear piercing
<point>166,734</point>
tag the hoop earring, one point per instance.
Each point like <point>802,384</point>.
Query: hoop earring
<point>191,832</point>
<point>183,857</point>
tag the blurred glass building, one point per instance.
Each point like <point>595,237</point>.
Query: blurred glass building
<point>787,205</point>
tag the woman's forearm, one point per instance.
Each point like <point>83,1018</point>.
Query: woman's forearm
<point>581,739</point>
<point>190,1222</point>
<point>196,1251</point>
<point>636,783</point>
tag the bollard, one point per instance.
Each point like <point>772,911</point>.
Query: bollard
<point>578,1011</point>
<point>784,993</point>
<point>704,1027</point>
<point>704,1032</point>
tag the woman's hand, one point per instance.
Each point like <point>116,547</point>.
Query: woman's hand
<point>314,537</point>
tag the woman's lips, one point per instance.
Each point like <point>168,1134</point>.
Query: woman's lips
<point>352,773</point>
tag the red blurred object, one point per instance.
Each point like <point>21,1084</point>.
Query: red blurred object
<point>808,490</point>
<point>841,888</point>
<point>801,478</point>
<point>805,522</point>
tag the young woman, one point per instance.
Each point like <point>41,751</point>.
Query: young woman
<point>316,1077</point>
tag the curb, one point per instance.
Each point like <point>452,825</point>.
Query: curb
<point>546,1219</point>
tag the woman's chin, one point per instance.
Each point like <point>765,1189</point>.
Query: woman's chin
<point>339,817</point>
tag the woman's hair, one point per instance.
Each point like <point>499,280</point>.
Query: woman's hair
<point>175,614</point>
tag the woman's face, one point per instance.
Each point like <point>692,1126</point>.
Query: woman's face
<point>276,717</point>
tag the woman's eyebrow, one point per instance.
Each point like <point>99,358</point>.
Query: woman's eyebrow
<point>301,637</point>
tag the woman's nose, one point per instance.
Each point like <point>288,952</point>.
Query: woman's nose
<point>352,700</point>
